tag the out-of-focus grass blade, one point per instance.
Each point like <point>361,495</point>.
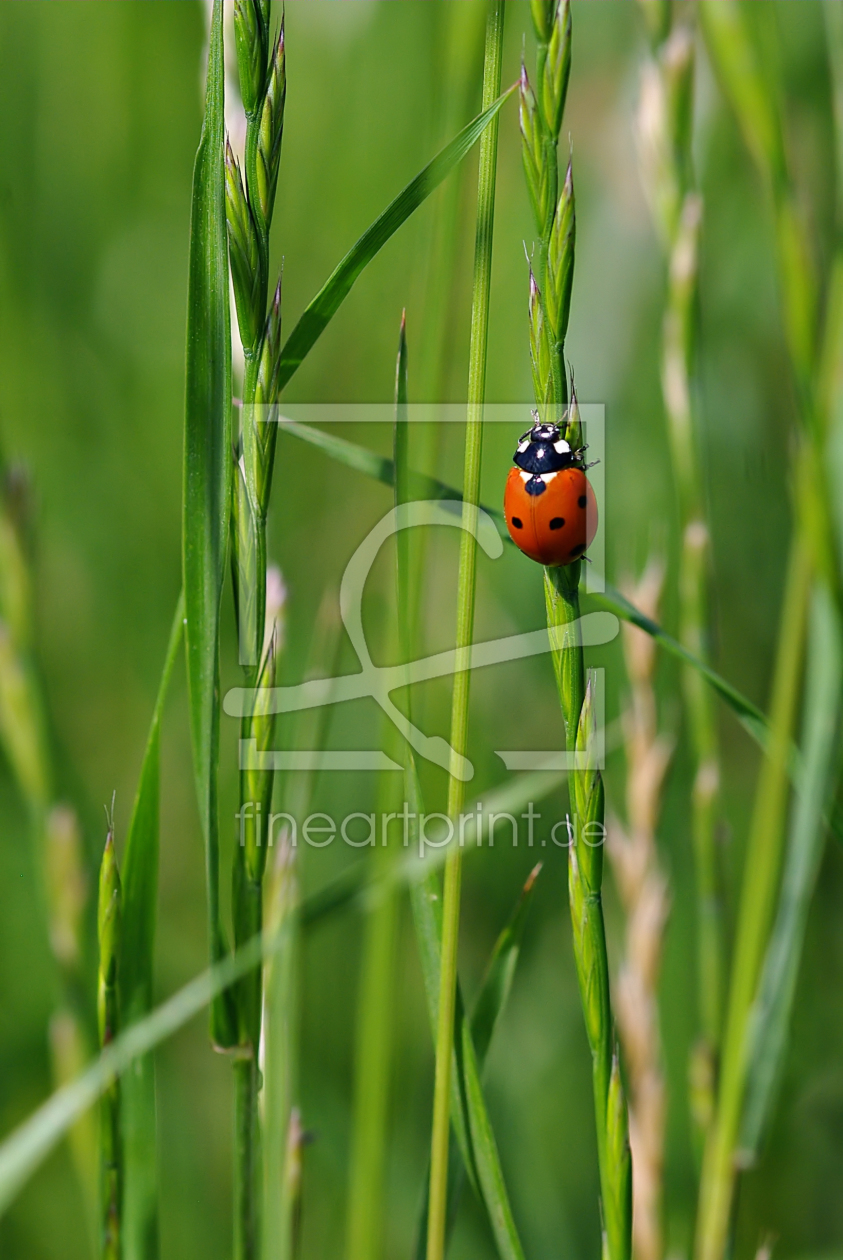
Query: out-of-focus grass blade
<point>403,494</point>
<point>821,748</point>
<point>140,890</point>
<point>207,476</point>
<point>374,1033</point>
<point>500,972</point>
<point>490,1003</point>
<point>470,1122</point>
<point>749,715</point>
<point>30,1143</point>
<point>383,470</point>
<point>736,62</point>
<point>336,288</point>
<point>280,1060</point>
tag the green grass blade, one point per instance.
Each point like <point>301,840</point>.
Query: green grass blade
<point>375,1037</point>
<point>490,1004</point>
<point>280,1059</point>
<point>207,476</point>
<point>466,589</point>
<point>383,470</point>
<point>759,884</point>
<point>29,1144</point>
<point>497,983</point>
<point>749,715</point>
<point>470,1122</point>
<point>336,288</point>
<point>403,494</point>
<point>140,889</point>
<point>774,1004</point>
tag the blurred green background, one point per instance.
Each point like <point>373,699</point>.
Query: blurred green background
<point>99,121</point>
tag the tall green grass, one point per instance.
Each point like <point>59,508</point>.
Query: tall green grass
<point>261,946</point>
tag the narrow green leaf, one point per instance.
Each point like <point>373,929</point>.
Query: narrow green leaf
<point>140,889</point>
<point>737,64</point>
<point>497,983</point>
<point>470,1122</point>
<point>403,494</point>
<point>207,476</point>
<point>821,744</point>
<point>336,288</point>
<point>490,1004</point>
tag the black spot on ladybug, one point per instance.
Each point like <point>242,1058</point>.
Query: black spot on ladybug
<point>517,522</point>
<point>534,486</point>
<point>582,501</point>
<point>578,550</point>
<point>557,522</point>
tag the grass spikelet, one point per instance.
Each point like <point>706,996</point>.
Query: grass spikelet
<point>108,1016</point>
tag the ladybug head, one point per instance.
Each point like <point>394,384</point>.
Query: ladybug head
<point>542,449</point>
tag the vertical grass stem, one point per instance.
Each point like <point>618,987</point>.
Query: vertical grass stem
<point>437,1212</point>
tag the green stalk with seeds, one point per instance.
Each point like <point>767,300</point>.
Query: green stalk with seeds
<point>250,198</point>
<point>549,306</point>
<point>437,1213</point>
<point>108,1013</point>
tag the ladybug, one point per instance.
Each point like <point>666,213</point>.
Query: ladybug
<point>549,505</point>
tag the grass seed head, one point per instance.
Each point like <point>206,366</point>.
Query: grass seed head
<point>557,69</point>
<point>258,787</point>
<point>542,14</point>
<point>540,355</point>
<point>560,260</point>
<point>250,38</point>
<point>271,131</point>
<point>588,795</point>
<point>617,1145</point>
<point>532,150</point>
<point>109,913</point>
<point>573,428</point>
<point>244,253</point>
<point>266,392</point>
<point>266,387</point>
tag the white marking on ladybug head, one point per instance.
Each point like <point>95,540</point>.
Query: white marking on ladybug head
<point>561,447</point>
<point>522,446</point>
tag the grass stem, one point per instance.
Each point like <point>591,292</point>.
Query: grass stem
<point>437,1212</point>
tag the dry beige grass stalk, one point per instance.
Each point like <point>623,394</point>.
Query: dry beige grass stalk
<point>644,895</point>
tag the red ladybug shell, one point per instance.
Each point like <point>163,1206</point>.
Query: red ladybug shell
<point>556,526</point>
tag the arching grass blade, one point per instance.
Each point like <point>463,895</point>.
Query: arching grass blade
<point>336,288</point>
